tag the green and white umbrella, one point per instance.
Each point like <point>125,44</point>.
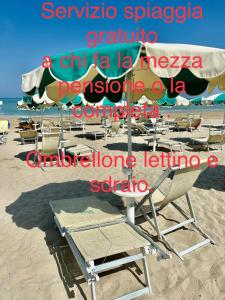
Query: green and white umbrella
<point>214,99</point>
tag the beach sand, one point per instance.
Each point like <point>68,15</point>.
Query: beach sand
<point>36,263</point>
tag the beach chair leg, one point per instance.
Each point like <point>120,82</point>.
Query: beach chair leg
<point>205,235</point>
<point>93,291</point>
<point>155,218</point>
<point>147,275</point>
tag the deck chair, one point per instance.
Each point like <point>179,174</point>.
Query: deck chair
<point>172,145</point>
<point>28,135</point>
<point>114,129</point>
<point>214,138</point>
<point>182,180</point>
<point>188,124</point>
<point>77,124</point>
<point>95,230</point>
<point>46,124</point>
<point>49,149</point>
<point>79,151</point>
<point>4,128</point>
<point>142,129</point>
<point>55,130</point>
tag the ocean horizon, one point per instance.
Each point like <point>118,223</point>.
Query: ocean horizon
<point>9,109</point>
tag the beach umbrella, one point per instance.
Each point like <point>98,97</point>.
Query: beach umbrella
<point>196,101</point>
<point>56,81</point>
<point>179,100</point>
<point>216,99</point>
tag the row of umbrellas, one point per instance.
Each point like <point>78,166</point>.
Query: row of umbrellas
<point>35,103</point>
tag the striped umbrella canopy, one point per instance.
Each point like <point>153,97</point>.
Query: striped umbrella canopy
<point>140,64</point>
<point>197,80</point>
<point>196,101</point>
<point>214,99</point>
<point>179,100</point>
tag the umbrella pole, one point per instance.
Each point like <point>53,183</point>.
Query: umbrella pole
<point>61,121</point>
<point>129,76</point>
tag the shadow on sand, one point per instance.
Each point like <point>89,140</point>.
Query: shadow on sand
<point>32,210</point>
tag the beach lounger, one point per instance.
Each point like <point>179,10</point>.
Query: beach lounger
<point>188,124</point>
<point>50,148</point>
<point>26,124</point>
<point>80,150</point>
<point>142,129</point>
<point>96,134</point>
<point>76,124</point>
<point>214,138</point>
<point>4,128</point>
<point>47,124</point>
<point>172,145</point>
<point>182,180</point>
<point>28,135</point>
<point>95,230</point>
<point>113,130</point>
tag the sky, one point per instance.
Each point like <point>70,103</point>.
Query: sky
<point>26,37</point>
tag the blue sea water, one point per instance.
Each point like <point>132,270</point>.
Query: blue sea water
<point>9,109</point>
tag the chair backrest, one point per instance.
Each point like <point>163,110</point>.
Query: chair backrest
<point>216,138</point>
<point>115,127</point>
<point>55,129</point>
<point>182,180</point>
<point>4,126</point>
<point>195,123</point>
<point>50,141</point>
<point>47,123</point>
<point>26,134</point>
<point>140,127</point>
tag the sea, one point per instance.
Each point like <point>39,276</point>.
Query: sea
<point>8,108</point>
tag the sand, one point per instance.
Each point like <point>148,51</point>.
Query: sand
<point>36,263</point>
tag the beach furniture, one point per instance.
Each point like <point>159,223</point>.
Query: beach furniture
<point>4,129</point>
<point>46,124</point>
<point>50,147</point>
<point>214,138</point>
<point>172,145</point>
<point>188,124</point>
<point>182,179</point>
<point>77,124</point>
<point>54,130</point>
<point>218,125</point>
<point>80,151</point>
<point>26,124</point>
<point>28,136</point>
<point>113,130</point>
<point>145,130</point>
<point>96,134</point>
<point>95,230</point>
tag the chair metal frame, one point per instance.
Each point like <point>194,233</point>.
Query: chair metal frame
<point>90,270</point>
<point>190,217</point>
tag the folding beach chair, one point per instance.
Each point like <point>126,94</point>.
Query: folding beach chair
<point>3,131</point>
<point>172,145</point>
<point>77,124</point>
<point>143,129</point>
<point>95,230</point>
<point>50,148</point>
<point>214,138</point>
<point>188,124</point>
<point>182,180</point>
<point>28,135</point>
<point>114,129</point>
<point>80,151</point>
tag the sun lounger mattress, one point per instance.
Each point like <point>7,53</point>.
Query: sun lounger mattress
<point>108,240</point>
<point>84,211</point>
